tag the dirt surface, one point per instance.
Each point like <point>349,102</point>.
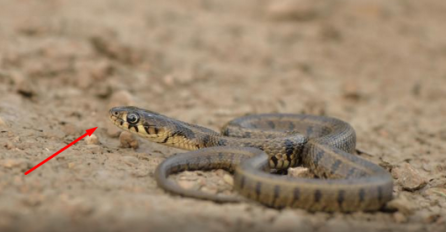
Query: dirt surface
<point>379,65</point>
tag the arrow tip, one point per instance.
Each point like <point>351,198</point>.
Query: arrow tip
<point>91,131</point>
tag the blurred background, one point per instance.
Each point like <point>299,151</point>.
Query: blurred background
<point>379,65</point>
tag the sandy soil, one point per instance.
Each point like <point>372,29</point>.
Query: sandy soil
<point>378,64</point>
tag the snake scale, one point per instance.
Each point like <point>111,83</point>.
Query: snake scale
<point>253,146</point>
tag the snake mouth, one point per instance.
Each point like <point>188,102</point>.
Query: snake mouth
<point>116,120</point>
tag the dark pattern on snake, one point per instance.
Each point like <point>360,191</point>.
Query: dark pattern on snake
<point>251,146</point>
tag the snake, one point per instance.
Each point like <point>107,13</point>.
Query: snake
<point>257,148</point>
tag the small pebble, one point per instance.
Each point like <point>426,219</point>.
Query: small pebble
<point>104,91</point>
<point>16,139</point>
<point>25,89</point>
<point>92,140</point>
<point>399,217</point>
<point>431,218</point>
<point>34,199</point>
<point>9,145</point>
<point>402,204</point>
<point>91,72</point>
<point>2,122</point>
<point>168,80</point>
<point>190,176</point>
<point>140,173</point>
<point>351,91</point>
<point>300,10</point>
<point>115,50</point>
<point>94,149</point>
<point>228,179</point>
<point>300,172</point>
<point>130,160</point>
<point>183,77</point>
<point>408,177</point>
<point>210,189</point>
<point>102,70</point>
<point>127,140</point>
<point>13,163</point>
<point>220,172</point>
<point>121,98</point>
<point>185,184</point>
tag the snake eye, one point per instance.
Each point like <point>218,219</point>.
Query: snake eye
<point>133,118</point>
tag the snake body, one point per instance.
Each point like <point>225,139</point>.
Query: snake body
<point>251,146</point>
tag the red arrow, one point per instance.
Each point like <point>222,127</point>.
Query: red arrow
<point>89,133</point>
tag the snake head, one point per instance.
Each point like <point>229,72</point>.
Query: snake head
<point>118,115</point>
<point>142,122</point>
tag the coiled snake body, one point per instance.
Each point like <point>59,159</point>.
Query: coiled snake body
<point>252,145</point>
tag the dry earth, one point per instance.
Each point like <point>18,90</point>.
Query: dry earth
<point>380,65</point>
